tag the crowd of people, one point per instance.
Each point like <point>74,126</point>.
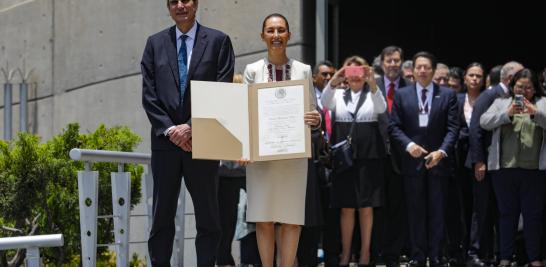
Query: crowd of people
<point>445,160</point>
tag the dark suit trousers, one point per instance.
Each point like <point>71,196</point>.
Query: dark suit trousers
<point>520,191</point>
<point>390,223</point>
<point>201,180</point>
<point>458,212</point>
<point>425,198</point>
<point>484,216</point>
<point>228,199</point>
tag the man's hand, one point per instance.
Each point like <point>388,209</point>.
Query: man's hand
<point>312,118</point>
<point>417,151</point>
<point>243,162</point>
<point>479,171</point>
<point>186,146</point>
<point>180,135</point>
<point>433,159</point>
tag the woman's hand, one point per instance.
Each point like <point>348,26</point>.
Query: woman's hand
<point>514,109</point>
<point>243,162</point>
<point>312,118</point>
<point>369,75</point>
<point>338,78</point>
<point>531,108</point>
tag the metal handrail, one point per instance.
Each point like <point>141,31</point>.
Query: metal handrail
<point>42,241</point>
<point>89,155</point>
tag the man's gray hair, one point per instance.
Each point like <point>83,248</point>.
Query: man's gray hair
<point>408,64</point>
<point>509,69</point>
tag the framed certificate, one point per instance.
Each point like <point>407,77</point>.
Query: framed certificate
<point>260,122</point>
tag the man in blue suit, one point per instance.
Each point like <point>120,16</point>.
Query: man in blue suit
<point>424,123</point>
<point>173,57</point>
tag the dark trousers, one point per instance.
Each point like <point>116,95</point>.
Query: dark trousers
<point>200,177</point>
<point>459,213</point>
<point>519,191</point>
<point>249,250</point>
<point>425,198</point>
<point>331,238</point>
<point>390,224</point>
<point>484,216</point>
<point>308,246</point>
<point>228,199</point>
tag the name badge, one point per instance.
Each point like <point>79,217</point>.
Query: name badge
<point>423,120</point>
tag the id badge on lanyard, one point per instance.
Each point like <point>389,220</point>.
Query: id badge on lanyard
<point>423,114</point>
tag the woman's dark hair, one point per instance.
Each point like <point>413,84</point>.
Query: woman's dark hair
<point>472,65</point>
<point>527,73</point>
<point>277,15</point>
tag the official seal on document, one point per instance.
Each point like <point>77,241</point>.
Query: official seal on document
<point>280,93</point>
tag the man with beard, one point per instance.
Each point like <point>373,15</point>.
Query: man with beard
<point>389,233</point>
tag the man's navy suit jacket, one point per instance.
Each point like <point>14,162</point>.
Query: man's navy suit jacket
<point>212,59</point>
<point>441,132</point>
<point>480,139</point>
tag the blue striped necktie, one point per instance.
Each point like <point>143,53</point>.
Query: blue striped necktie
<point>182,67</point>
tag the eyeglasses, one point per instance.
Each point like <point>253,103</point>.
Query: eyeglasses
<point>175,2</point>
<point>326,74</point>
<point>523,87</point>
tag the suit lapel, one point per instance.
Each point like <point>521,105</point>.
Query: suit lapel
<point>172,55</point>
<point>199,48</point>
<point>435,102</point>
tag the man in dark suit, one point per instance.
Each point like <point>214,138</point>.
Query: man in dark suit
<point>173,57</point>
<point>424,124</point>
<point>480,249</point>
<point>389,233</point>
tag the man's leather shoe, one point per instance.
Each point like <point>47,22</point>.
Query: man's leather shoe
<point>414,263</point>
<point>476,262</point>
<point>392,264</point>
<point>438,263</point>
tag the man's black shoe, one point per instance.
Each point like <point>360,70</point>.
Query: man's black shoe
<point>414,263</point>
<point>392,264</point>
<point>476,262</point>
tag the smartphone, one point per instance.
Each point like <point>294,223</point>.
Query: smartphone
<point>354,71</point>
<point>428,160</point>
<point>518,100</point>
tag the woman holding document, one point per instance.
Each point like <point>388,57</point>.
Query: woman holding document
<point>277,189</point>
<point>358,187</point>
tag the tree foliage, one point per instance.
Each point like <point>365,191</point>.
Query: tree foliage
<point>39,180</point>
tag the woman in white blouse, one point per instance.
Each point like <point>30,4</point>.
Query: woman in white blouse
<point>359,187</point>
<point>277,189</point>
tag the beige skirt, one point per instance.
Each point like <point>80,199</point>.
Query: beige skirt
<point>276,191</point>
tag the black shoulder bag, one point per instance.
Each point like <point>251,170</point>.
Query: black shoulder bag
<point>342,154</point>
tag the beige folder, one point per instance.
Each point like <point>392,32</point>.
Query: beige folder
<point>225,121</point>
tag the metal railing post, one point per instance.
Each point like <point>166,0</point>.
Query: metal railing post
<point>88,184</point>
<point>147,184</point>
<point>121,202</point>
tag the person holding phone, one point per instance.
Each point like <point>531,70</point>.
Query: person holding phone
<point>517,161</point>
<point>359,187</point>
